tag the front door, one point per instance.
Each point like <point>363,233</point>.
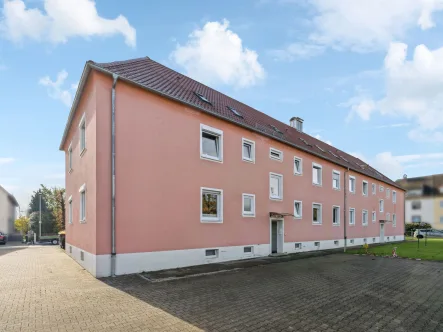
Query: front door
<point>382,233</point>
<point>274,237</point>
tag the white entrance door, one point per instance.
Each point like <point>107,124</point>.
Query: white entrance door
<point>382,233</point>
<point>277,236</point>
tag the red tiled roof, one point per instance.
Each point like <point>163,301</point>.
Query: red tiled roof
<point>158,78</point>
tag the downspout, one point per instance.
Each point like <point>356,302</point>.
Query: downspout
<point>113,253</point>
<point>345,198</point>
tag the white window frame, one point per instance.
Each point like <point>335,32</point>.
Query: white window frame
<point>252,144</point>
<point>381,205</point>
<point>388,193</point>
<point>82,136</point>
<point>280,197</point>
<point>355,184</point>
<point>219,218</point>
<point>321,214</point>
<point>339,179</point>
<point>275,151</point>
<point>248,213</point>
<point>394,197</point>
<point>381,188</point>
<point>301,210</point>
<point>82,191</point>
<point>214,132</point>
<point>374,188</point>
<point>70,158</point>
<point>336,207</point>
<point>394,220</point>
<point>363,212</point>
<point>363,188</point>
<point>301,165</point>
<point>353,221</point>
<point>315,165</point>
<point>388,216</point>
<point>70,210</point>
<point>374,216</point>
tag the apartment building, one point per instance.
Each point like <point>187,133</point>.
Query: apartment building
<point>164,172</point>
<point>424,199</point>
<point>8,212</point>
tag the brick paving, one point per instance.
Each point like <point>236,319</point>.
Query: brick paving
<point>44,290</point>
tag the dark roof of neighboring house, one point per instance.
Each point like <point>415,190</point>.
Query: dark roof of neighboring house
<point>10,196</point>
<point>430,185</point>
<point>157,78</point>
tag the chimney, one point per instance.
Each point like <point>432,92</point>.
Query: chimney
<point>296,123</point>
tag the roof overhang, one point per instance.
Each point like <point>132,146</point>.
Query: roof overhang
<point>279,215</point>
<point>384,221</point>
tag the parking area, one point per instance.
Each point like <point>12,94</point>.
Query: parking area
<point>43,289</point>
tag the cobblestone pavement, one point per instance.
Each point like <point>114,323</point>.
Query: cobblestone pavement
<point>42,289</point>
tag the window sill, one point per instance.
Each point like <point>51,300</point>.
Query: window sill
<point>216,160</point>
<point>316,184</point>
<point>365,225</point>
<point>365,195</point>
<point>82,152</point>
<point>338,189</point>
<point>83,221</point>
<point>251,161</point>
<point>298,218</point>
<point>336,225</point>
<point>248,215</point>
<point>275,199</point>
<point>351,224</point>
<point>211,221</point>
<point>298,174</point>
<point>352,192</point>
<point>280,160</point>
<point>317,223</point>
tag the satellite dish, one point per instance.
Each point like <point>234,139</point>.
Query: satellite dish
<point>405,176</point>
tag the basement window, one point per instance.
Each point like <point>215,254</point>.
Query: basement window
<point>373,240</point>
<point>211,253</point>
<point>297,245</point>
<point>247,250</point>
<point>336,243</point>
<point>317,244</point>
<point>82,255</point>
<point>351,241</point>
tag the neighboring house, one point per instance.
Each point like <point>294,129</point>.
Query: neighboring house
<point>8,210</point>
<point>199,177</point>
<point>424,199</point>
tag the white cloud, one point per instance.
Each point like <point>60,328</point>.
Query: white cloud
<point>215,54</point>
<point>362,25</point>
<point>393,125</point>
<point>55,88</point>
<point>297,51</point>
<point>413,91</point>
<point>319,137</point>
<point>60,20</point>
<point>6,160</point>
<point>361,104</point>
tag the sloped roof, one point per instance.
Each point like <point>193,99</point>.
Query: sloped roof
<point>10,196</point>
<point>160,79</point>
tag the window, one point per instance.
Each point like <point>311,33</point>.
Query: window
<point>416,205</point>
<point>352,184</point>
<point>202,98</point>
<point>416,218</point>
<point>441,204</point>
<point>316,174</point>
<point>394,220</point>
<point>388,216</point>
<point>365,240</point>
<point>211,205</point>
<point>387,238</point>
<point>82,127</point>
<point>82,192</point>
<point>298,209</point>
<point>336,179</point>
<point>211,143</point>
<point>298,166</point>
<point>388,192</point>
<point>373,240</point>
<point>275,154</point>
<point>248,150</point>
<point>248,250</point>
<point>381,205</point>
<point>336,243</point>
<point>351,241</point>
<point>233,110</point>
<point>381,189</point>
<point>336,215</point>
<point>297,245</point>
<point>351,216</point>
<point>70,210</point>
<point>394,197</point>
<point>364,218</point>
<point>275,186</point>
<point>211,253</point>
<point>316,213</point>
<point>248,206</point>
<point>374,216</point>
<point>316,244</point>
<point>70,157</point>
<point>365,188</point>
<point>82,255</point>
<point>441,220</point>
<point>374,189</point>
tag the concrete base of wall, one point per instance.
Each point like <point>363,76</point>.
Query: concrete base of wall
<point>100,265</point>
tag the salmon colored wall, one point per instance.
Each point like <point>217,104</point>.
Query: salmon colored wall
<point>159,174</point>
<point>82,235</point>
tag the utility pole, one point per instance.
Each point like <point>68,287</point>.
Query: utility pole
<point>40,218</point>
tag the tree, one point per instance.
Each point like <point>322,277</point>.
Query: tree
<point>22,224</point>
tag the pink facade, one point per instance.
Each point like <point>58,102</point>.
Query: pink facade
<point>159,176</point>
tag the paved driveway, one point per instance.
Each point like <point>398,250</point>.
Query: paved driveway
<point>43,289</point>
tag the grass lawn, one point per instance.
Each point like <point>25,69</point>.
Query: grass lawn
<point>432,251</point>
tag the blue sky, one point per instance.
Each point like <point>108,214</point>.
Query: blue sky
<point>364,75</point>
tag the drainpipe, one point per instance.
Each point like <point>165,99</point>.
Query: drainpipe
<point>113,254</point>
<point>345,197</point>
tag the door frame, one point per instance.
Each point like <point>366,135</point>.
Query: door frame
<point>280,237</point>
<point>382,226</point>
